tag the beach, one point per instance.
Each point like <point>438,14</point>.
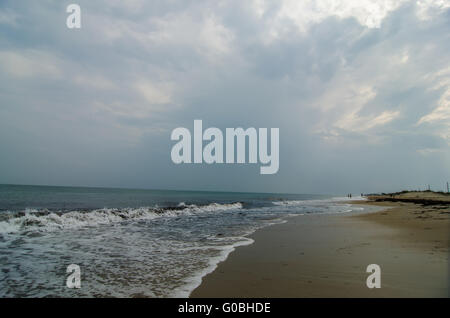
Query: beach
<point>326,255</point>
<point>130,242</point>
<point>161,243</point>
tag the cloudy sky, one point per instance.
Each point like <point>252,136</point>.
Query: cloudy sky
<point>360,91</point>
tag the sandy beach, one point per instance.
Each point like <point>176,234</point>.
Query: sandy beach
<point>327,255</point>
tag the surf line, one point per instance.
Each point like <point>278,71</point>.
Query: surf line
<point>235,138</point>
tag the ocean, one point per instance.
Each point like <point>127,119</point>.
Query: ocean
<point>128,242</point>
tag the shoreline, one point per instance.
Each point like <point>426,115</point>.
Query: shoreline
<point>326,255</point>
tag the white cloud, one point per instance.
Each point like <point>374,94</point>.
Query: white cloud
<point>204,34</point>
<point>426,9</point>
<point>440,113</point>
<point>121,109</point>
<point>94,81</point>
<point>357,123</point>
<point>342,105</point>
<point>439,117</point>
<point>216,38</point>
<point>157,95</point>
<point>345,94</point>
<point>143,99</point>
<point>133,6</point>
<point>306,13</point>
<point>29,63</point>
<point>429,151</point>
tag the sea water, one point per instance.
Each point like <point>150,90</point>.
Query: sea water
<point>131,243</point>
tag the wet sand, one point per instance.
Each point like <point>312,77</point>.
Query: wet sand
<point>327,255</point>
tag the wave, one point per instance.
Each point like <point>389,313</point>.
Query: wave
<point>192,282</point>
<point>338,200</point>
<point>46,221</point>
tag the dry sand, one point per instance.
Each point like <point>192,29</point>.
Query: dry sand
<point>327,255</point>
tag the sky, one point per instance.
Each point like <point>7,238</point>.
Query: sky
<point>359,89</point>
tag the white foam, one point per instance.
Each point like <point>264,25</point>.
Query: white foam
<point>317,201</point>
<point>357,198</point>
<point>196,279</point>
<point>76,219</point>
<point>192,282</point>
<point>193,259</point>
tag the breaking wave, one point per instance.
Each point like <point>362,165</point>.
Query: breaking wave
<point>46,221</point>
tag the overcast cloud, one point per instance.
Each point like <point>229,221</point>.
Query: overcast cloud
<point>360,91</point>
